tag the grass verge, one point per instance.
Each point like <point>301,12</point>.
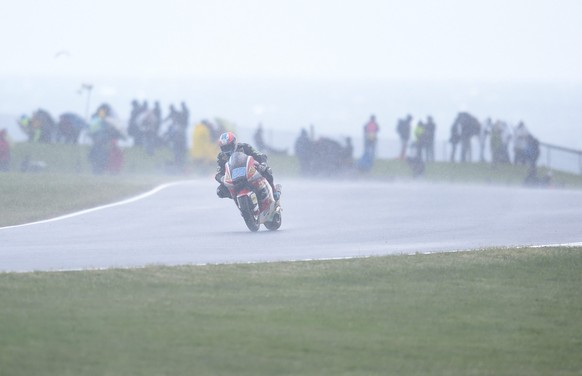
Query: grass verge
<point>501,312</point>
<point>473,173</point>
<point>31,197</point>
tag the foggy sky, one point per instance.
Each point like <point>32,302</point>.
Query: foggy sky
<point>489,40</point>
<point>49,48</point>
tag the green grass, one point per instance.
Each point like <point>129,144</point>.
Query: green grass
<point>474,173</point>
<point>495,312</point>
<point>67,184</point>
<point>31,197</point>
<point>61,158</point>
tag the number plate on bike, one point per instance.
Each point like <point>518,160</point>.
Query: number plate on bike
<point>238,172</point>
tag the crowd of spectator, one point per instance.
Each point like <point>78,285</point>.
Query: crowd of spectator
<point>149,130</point>
<point>104,130</point>
<point>499,135</point>
<point>417,145</point>
<point>41,127</point>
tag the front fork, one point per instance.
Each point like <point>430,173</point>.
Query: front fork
<point>252,196</point>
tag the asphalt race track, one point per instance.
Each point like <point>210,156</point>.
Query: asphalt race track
<point>187,224</point>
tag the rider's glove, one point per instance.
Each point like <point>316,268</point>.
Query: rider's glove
<point>262,168</point>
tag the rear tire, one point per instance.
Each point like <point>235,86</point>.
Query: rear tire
<point>246,208</point>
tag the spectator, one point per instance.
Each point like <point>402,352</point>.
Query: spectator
<point>42,120</point>
<point>532,151</point>
<point>496,144</point>
<point>532,154</point>
<point>184,116</point>
<point>69,127</point>
<point>520,144</point>
<point>420,139</point>
<point>204,147</point>
<point>464,128</point>
<point>133,128</point>
<point>348,153</point>
<point>506,137</point>
<point>454,139</point>
<point>148,123</point>
<point>40,127</point>
<point>176,139</point>
<point>158,125</point>
<point>4,151</point>
<point>403,130</point>
<point>304,151</point>
<point>499,141</point>
<point>173,119</point>
<point>329,157</point>
<point>105,155</point>
<point>483,134</point>
<point>430,130</point>
<point>259,141</point>
<point>371,130</point>
<point>25,124</point>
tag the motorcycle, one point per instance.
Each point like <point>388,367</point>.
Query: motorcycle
<point>252,193</point>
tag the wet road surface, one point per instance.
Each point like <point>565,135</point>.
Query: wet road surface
<point>188,224</point>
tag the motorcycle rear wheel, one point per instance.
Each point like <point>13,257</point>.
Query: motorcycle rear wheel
<point>246,208</point>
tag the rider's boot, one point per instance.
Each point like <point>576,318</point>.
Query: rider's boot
<point>277,192</point>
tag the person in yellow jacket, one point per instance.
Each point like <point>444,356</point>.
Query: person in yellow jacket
<point>25,123</point>
<point>204,147</point>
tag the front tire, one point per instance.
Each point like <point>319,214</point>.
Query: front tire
<point>246,207</point>
<point>276,222</point>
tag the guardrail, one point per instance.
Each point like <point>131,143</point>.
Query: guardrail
<point>561,158</point>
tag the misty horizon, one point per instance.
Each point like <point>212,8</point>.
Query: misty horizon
<point>292,64</point>
<point>334,107</point>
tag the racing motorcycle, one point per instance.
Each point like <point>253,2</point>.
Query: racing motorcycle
<point>252,193</point>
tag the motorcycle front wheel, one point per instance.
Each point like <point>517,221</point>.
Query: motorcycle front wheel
<point>275,223</point>
<point>246,207</point>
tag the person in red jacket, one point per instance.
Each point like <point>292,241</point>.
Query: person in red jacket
<point>371,130</point>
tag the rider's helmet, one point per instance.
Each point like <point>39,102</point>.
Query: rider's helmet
<point>227,142</point>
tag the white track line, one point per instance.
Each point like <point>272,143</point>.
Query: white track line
<point>579,244</point>
<point>124,202</point>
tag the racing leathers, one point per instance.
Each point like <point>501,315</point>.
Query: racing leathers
<point>222,158</point>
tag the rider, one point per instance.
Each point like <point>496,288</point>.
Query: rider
<point>229,145</point>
